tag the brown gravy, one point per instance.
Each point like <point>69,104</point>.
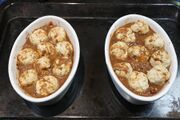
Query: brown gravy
<point>30,89</point>
<point>142,66</point>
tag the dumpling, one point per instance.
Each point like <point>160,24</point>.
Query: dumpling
<point>61,68</point>
<point>38,36</point>
<point>46,47</point>
<point>125,34</point>
<point>154,41</point>
<point>123,69</point>
<point>64,48</point>
<point>28,77</point>
<point>158,75</point>
<point>138,81</point>
<point>27,56</point>
<point>43,62</point>
<point>47,85</point>
<point>57,34</point>
<point>140,27</point>
<point>160,57</point>
<point>139,52</point>
<point>119,50</point>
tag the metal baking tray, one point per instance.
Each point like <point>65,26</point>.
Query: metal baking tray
<point>92,94</point>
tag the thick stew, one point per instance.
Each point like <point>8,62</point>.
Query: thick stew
<point>139,59</point>
<point>45,61</point>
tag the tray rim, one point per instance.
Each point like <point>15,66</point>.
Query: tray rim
<point>7,6</point>
<point>10,3</point>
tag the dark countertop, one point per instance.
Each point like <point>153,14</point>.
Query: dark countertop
<point>92,96</point>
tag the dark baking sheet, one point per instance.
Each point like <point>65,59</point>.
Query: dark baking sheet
<point>92,94</point>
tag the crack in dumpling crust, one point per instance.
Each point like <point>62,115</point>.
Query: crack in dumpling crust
<point>64,48</point>
<point>46,47</point>
<point>158,75</point>
<point>154,41</point>
<point>61,68</point>
<point>28,77</point>
<point>57,34</point>
<point>27,56</point>
<point>119,50</point>
<point>123,69</point>
<point>38,36</point>
<point>138,81</point>
<point>43,62</point>
<point>138,52</point>
<point>160,57</point>
<point>140,27</point>
<point>125,35</point>
<point>47,85</point>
